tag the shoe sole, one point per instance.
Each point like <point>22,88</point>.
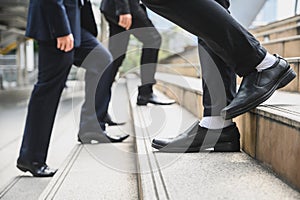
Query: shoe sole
<point>33,174</point>
<point>285,79</point>
<point>116,124</point>
<point>89,140</point>
<point>145,103</point>
<point>219,147</point>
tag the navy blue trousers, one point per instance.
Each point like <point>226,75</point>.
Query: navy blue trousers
<point>54,66</point>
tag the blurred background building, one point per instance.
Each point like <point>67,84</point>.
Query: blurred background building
<point>270,134</point>
<point>18,57</point>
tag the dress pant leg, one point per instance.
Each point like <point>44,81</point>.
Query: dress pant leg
<point>93,57</point>
<point>218,81</point>
<point>118,43</point>
<point>54,66</point>
<point>143,29</point>
<point>213,24</point>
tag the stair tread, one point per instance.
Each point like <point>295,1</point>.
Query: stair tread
<point>277,24</point>
<point>190,176</point>
<point>100,171</point>
<point>187,82</point>
<point>15,183</point>
<point>281,103</point>
<point>276,30</point>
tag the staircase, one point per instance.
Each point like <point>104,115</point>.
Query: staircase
<point>271,132</point>
<point>281,37</point>
<point>266,168</point>
<point>133,170</point>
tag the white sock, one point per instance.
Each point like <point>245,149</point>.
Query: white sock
<point>267,62</point>
<point>215,122</point>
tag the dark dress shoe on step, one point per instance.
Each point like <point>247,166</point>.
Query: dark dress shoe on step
<point>36,169</point>
<point>146,96</point>
<point>197,139</point>
<point>107,120</point>
<point>257,87</point>
<point>143,100</point>
<point>88,137</point>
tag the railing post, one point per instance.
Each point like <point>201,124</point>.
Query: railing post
<point>296,7</point>
<point>20,61</point>
<point>1,82</point>
<point>104,32</point>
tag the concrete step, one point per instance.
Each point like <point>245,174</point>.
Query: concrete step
<point>90,171</point>
<point>149,121</point>
<point>286,47</point>
<point>277,25</point>
<point>185,69</point>
<point>194,175</point>
<point>15,184</point>
<point>270,133</point>
<point>281,32</point>
<point>181,65</point>
<point>100,171</point>
<point>294,86</point>
<point>194,71</point>
<point>185,63</point>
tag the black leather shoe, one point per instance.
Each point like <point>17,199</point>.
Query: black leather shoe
<point>88,137</point>
<point>36,169</point>
<point>257,87</point>
<point>152,98</point>
<point>197,139</point>
<point>107,120</point>
<point>146,96</point>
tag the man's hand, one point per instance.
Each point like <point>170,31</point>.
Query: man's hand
<point>65,43</point>
<point>125,21</point>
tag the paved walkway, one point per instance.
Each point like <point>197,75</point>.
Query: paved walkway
<point>133,169</point>
<point>13,183</point>
<point>100,171</point>
<point>195,175</point>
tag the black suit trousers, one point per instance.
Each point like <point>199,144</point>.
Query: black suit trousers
<point>54,66</point>
<point>208,20</point>
<point>143,29</point>
<point>218,79</point>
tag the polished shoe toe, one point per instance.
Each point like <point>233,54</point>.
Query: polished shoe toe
<point>160,143</point>
<point>36,169</point>
<point>100,137</point>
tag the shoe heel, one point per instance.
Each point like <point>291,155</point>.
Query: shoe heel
<point>84,140</point>
<point>22,169</point>
<point>227,147</point>
<point>290,75</point>
<point>141,102</point>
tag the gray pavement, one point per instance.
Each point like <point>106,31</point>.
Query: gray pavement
<point>132,169</point>
<point>12,116</point>
<point>13,106</point>
<point>195,175</point>
<point>101,171</point>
